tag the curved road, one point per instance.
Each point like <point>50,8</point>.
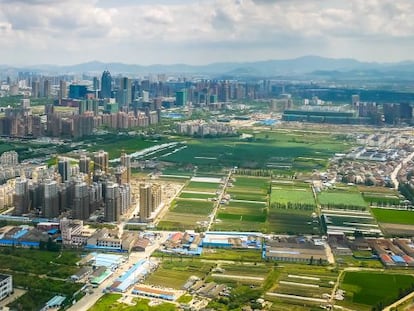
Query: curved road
<point>398,168</point>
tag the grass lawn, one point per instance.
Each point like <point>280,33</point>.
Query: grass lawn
<point>403,217</point>
<point>375,289</point>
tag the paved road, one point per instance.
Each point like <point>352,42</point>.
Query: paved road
<point>217,205</point>
<point>397,169</point>
<point>89,300</point>
<point>397,303</point>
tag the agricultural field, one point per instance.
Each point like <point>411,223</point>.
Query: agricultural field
<point>192,208</point>
<point>349,221</point>
<point>241,216</point>
<point>292,208</point>
<point>239,273</point>
<point>197,186</point>
<point>174,273</point>
<point>179,221</point>
<point>116,144</point>
<point>296,286</point>
<point>247,208</point>
<point>274,145</point>
<point>292,221</point>
<point>395,222</point>
<point>380,196</point>
<point>240,255</point>
<point>369,290</point>
<point>196,195</point>
<point>248,188</point>
<point>342,198</point>
<point>187,206</point>
<point>403,217</point>
<point>292,194</point>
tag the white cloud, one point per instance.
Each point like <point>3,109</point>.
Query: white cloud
<point>202,31</point>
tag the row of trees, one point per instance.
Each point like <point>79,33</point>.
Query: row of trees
<point>296,206</point>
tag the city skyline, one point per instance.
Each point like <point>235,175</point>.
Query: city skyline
<point>201,32</point>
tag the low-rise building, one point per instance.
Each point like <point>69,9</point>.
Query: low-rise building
<point>6,285</point>
<point>295,249</point>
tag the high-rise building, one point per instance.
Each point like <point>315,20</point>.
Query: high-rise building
<point>126,162</point>
<point>95,83</point>
<point>124,94</point>
<point>106,85</point>
<point>101,161</point>
<point>21,196</point>
<point>77,91</point>
<point>51,199</point>
<point>85,164</point>
<point>63,91</point>
<point>149,200</point>
<point>112,203</point>
<point>145,208</point>
<point>35,89</point>
<point>9,158</point>
<point>125,198</point>
<point>181,98</point>
<point>46,88</point>
<point>81,201</point>
<point>64,169</point>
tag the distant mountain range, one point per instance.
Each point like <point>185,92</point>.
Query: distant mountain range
<point>309,66</point>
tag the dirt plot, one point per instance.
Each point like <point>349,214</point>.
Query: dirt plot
<point>397,229</point>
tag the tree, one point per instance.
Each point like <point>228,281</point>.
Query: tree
<point>311,261</point>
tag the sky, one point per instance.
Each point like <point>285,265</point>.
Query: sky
<point>203,31</point>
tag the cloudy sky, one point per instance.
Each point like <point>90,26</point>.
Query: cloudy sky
<point>203,31</point>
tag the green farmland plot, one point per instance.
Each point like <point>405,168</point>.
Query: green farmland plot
<point>174,273</point>
<point>251,184</point>
<point>202,186</point>
<point>245,196</point>
<point>242,216</point>
<point>393,216</point>
<point>375,290</point>
<point>196,195</point>
<point>186,206</point>
<point>292,195</point>
<point>292,221</point>
<point>346,198</point>
<point>232,151</point>
<point>249,188</point>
